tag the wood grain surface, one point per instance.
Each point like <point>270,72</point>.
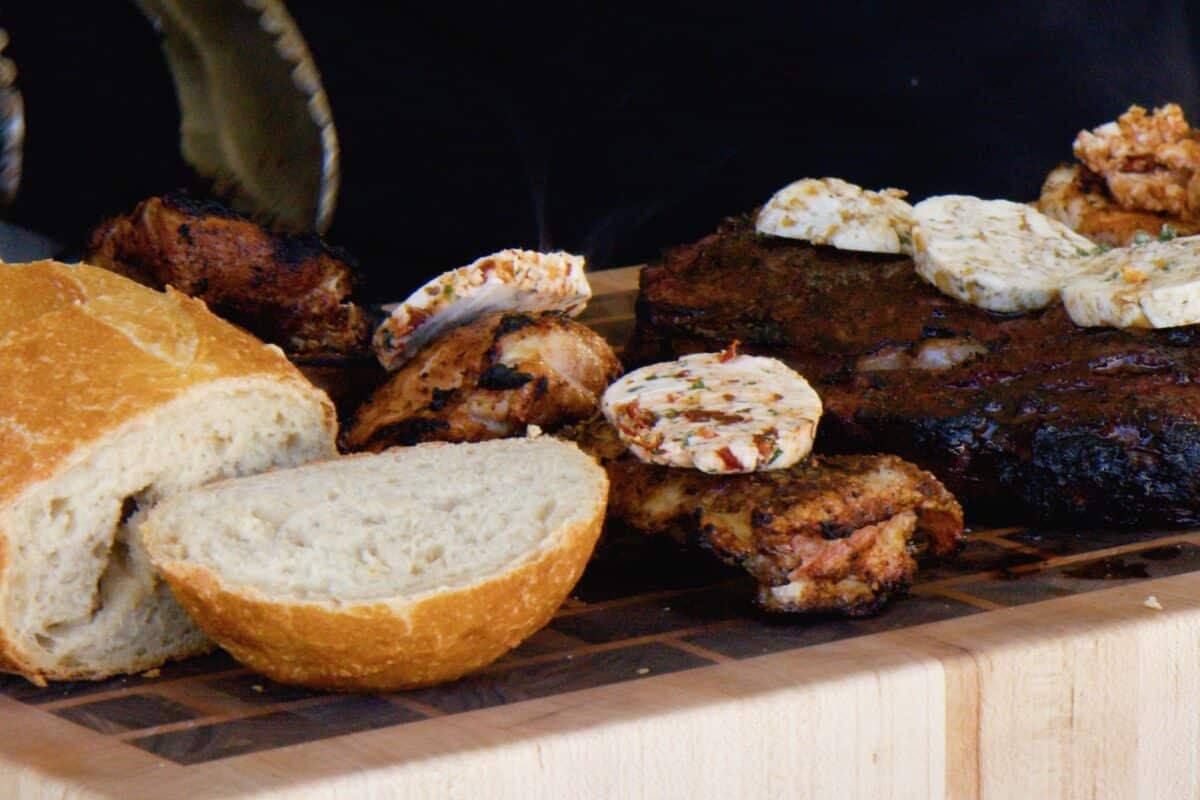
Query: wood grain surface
<point>1031,665</point>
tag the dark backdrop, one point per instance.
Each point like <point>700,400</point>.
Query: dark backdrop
<point>605,128</point>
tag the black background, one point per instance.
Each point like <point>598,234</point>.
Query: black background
<point>609,129</point>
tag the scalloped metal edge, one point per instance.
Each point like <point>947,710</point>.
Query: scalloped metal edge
<point>291,45</point>
<point>12,127</point>
<point>224,134</point>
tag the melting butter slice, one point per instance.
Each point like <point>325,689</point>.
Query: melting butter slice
<point>995,254</point>
<point>1151,285</point>
<point>717,412</point>
<point>510,280</point>
<point>833,212</point>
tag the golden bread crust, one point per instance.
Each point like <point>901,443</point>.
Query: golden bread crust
<point>99,351</point>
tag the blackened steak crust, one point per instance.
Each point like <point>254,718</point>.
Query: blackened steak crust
<point>1023,417</point>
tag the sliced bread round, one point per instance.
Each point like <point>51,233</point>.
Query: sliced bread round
<point>384,571</point>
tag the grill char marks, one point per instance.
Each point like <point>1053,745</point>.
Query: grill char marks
<point>291,290</point>
<point>1040,420</point>
<point>489,379</point>
<point>1103,429</point>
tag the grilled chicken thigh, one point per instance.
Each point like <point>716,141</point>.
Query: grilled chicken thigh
<point>487,380</point>
<point>1078,197</point>
<point>832,533</point>
<point>291,290</point>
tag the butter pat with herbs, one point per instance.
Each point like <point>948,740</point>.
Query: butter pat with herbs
<point>834,212</point>
<point>1153,284</point>
<point>995,254</point>
<point>717,412</point>
<point>510,280</point>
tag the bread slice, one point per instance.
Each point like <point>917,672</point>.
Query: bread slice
<point>384,571</point>
<point>114,397</point>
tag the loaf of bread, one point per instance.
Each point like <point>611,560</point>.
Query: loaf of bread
<point>383,571</point>
<point>113,397</point>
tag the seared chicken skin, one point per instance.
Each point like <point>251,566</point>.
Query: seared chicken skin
<point>1149,162</point>
<point>487,380</point>
<point>834,533</point>
<point>1137,178</point>
<point>1078,197</point>
<point>288,289</point>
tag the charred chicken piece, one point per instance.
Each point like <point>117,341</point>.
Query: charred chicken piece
<point>1079,198</point>
<point>288,289</point>
<point>834,533</point>
<point>1150,162</point>
<point>488,380</point>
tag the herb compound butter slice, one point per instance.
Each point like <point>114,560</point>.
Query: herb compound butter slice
<point>511,280</point>
<point>717,412</point>
<point>1151,285</point>
<point>833,212</point>
<point>995,254</point>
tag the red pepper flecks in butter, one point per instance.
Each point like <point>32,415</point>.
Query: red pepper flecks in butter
<point>716,412</point>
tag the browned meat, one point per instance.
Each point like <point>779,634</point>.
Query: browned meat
<point>1022,417</point>
<point>829,313</point>
<point>1138,177</point>
<point>1150,162</point>
<point>288,289</point>
<point>487,380</point>
<point>1079,198</point>
<point>832,533</point>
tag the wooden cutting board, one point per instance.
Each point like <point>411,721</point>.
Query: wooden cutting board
<point>1034,665</point>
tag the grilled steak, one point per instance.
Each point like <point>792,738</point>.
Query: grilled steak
<point>1023,417</point>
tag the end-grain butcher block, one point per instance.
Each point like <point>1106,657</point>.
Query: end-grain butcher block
<point>1022,416</point>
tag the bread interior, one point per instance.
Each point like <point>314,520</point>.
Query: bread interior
<point>78,589</point>
<point>398,524</point>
